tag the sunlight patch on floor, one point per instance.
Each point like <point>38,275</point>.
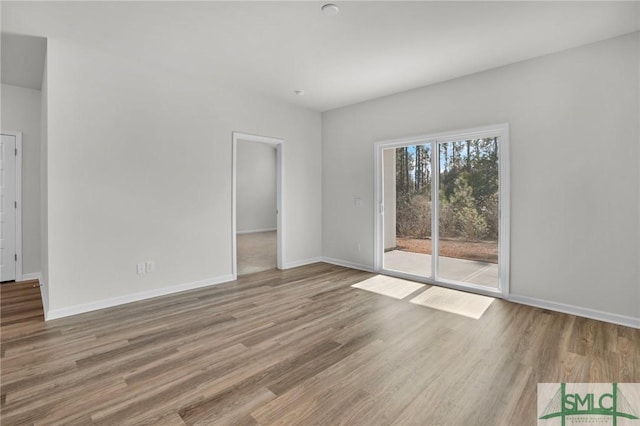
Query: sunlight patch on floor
<point>456,302</point>
<point>388,286</point>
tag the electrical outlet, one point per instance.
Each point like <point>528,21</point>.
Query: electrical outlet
<point>150,266</point>
<point>141,268</point>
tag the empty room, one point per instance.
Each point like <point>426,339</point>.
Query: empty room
<point>314,213</point>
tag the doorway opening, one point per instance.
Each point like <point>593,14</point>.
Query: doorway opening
<point>11,206</point>
<point>257,231</point>
<point>443,209</point>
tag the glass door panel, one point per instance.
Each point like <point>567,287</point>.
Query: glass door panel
<point>468,211</point>
<point>407,203</point>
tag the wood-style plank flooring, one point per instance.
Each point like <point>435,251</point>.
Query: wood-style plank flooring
<point>295,347</point>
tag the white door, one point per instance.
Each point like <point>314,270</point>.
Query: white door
<point>8,208</point>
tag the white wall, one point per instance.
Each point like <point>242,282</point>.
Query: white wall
<point>574,168</point>
<point>139,168</point>
<point>255,187</point>
<point>21,112</point>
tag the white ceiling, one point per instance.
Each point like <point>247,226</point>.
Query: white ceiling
<point>370,49</point>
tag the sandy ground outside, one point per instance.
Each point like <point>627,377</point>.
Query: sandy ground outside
<point>484,251</point>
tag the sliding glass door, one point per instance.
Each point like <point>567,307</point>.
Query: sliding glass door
<point>407,227</point>
<point>443,209</point>
<point>468,211</point>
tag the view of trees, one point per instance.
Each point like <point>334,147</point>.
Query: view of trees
<point>468,192</point>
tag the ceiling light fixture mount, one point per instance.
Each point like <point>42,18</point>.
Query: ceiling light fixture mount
<point>299,92</point>
<point>330,9</point>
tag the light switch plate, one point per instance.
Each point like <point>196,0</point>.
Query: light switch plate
<point>141,268</point>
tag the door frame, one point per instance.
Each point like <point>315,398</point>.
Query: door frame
<point>279,146</point>
<point>18,208</point>
<point>500,130</point>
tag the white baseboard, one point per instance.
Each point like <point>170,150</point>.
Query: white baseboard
<point>577,310</point>
<point>121,300</point>
<point>252,231</point>
<point>347,264</point>
<point>31,276</point>
<point>302,262</point>
<point>530,301</point>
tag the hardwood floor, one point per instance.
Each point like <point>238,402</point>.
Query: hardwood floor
<point>295,347</point>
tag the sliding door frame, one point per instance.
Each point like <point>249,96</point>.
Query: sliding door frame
<point>498,130</point>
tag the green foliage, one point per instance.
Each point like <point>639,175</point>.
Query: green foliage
<point>459,216</point>
<point>471,225</point>
<point>468,192</point>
